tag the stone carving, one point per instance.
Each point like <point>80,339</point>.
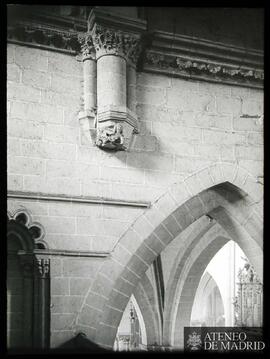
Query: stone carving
<point>183,64</point>
<point>43,267</point>
<point>247,274</point>
<point>179,64</point>
<point>115,128</point>
<point>41,35</point>
<point>116,42</point>
<point>111,137</point>
<point>159,60</point>
<point>87,47</point>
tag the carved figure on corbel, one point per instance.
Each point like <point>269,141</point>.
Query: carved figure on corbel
<point>111,137</point>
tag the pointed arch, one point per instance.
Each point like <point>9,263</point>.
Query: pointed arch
<point>220,186</point>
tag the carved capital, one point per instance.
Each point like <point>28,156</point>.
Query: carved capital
<point>109,41</point>
<point>87,47</point>
<point>43,267</point>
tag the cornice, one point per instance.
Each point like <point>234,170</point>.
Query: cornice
<point>44,36</point>
<point>127,24</point>
<point>190,45</point>
<point>165,53</point>
<point>213,71</point>
<point>201,59</point>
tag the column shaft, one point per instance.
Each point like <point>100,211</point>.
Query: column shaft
<point>131,88</point>
<point>90,83</point>
<point>111,81</point>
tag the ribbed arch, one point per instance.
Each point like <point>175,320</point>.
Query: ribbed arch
<point>222,185</point>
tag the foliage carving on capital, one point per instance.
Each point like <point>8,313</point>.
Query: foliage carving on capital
<point>116,42</point>
<point>87,46</point>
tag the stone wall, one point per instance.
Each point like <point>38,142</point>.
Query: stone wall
<point>185,126</point>
<point>179,121</point>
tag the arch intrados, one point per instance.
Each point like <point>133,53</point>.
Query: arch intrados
<point>144,294</point>
<point>195,272</point>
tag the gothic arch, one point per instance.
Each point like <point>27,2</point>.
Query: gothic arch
<point>221,185</point>
<point>183,285</point>
<point>188,283</point>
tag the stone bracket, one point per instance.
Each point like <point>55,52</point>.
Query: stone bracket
<point>115,127</point>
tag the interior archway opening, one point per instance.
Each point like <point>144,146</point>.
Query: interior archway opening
<point>131,333</point>
<point>208,307</point>
<point>229,292</point>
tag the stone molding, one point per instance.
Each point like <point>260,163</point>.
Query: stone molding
<point>202,70</point>
<point>44,36</point>
<point>117,21</point>
<point>64,253</point>
<point>118,114</point>
<point>200,59</point>
<point>169,54</point>
<point>78,199</point>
